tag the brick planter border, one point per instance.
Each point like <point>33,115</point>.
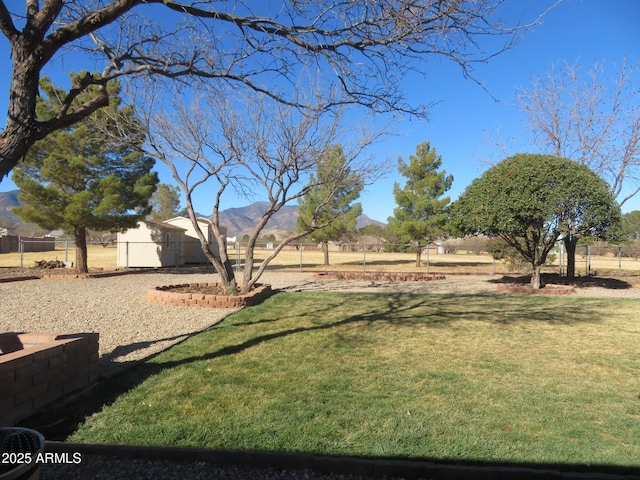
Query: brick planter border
<point>548,289</point>
<point>165,296</point>
<point>67,275</point>
<point>384,276</point>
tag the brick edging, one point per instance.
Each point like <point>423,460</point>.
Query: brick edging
<point>548,289</point>
<point>385,276</point>
<point>19,279</point>
<point>164,296</point>
<point>82,276</point>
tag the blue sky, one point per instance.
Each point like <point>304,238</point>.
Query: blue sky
<point>578,31</point>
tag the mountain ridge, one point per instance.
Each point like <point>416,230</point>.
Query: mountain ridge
<point>238,220</point>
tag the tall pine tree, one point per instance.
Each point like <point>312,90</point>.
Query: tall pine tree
<point>329,202</point>
<point>421,215</point>
<point>74,180</point>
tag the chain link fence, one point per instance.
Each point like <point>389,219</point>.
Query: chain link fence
<point>439,257</point>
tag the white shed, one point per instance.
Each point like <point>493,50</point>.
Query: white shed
<point>192,249</point>
<point>151,244</point>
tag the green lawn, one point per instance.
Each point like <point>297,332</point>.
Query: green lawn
<point>464,377</point>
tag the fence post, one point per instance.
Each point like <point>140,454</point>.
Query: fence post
<point>66,251</point>
<point>126,255</point>
<point>588,260</point>
<point>427,258</point>
<point>300,248</point>
<point>364,257</point>
<point>619,261</point>
<point>559,258</point>
<point>21,248</point>
<point>238,257</point>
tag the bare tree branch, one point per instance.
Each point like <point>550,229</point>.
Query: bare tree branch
<point>363,47</point>
<point>589,118</point>
<point>253,144</point>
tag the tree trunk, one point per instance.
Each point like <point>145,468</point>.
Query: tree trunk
<point>249,260</point>
<point>221,263</point>
<point>535,277</point>
<point>570,243</point>
<point>418,255</point>
<point>325,251</point>
<point>81,250</point>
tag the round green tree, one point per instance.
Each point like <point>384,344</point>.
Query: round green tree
<point>531,201</point>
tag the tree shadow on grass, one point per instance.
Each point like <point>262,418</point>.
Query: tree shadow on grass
<point>399,310</point>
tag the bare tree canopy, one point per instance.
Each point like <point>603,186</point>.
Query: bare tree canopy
<point>216,141</point>
<point>589,117</point>
<point>362,47</point>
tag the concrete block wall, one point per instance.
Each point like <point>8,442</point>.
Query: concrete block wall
<point>39,368</point>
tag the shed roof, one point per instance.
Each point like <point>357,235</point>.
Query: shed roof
<point>166,226</point>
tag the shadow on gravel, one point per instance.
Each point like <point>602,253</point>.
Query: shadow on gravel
<point>578,282</point>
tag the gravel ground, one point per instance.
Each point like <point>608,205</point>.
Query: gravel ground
<point>131,328</point>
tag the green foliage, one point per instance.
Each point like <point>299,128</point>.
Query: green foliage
<point>74,180</point>
<point>630,229</point>
<point>328,207</point>
<point>165,202</point>
<point>421,215</point>
<point>501,250</point>
<point>531,201</point>
<point>378,231</point>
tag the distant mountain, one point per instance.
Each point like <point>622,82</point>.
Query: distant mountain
<point>240,221</point>
<point>9,200</point>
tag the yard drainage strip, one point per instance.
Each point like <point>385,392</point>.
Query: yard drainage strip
<point>370,467</point>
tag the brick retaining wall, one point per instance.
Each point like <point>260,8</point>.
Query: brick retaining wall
<point>39,368</point>
<point>165,296</point>
<point>383,276</point>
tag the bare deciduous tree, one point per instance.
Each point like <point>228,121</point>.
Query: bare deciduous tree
<point>255,146</point>
<point>362,47</point>
<point>590,118</point>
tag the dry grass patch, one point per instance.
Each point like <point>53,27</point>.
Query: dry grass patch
<point>97,256</point>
